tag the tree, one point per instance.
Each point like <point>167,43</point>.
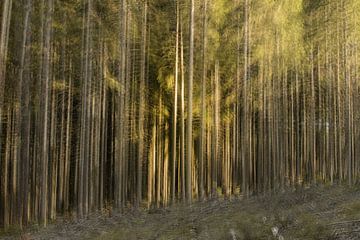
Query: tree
<point>190,103</point>
<point>46,83</point>
<point>4,38</point>
<point>203,103</point>
<point>174,123</point>
<point>141,107</point>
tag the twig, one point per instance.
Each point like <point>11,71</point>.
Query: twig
<point>344,222</point>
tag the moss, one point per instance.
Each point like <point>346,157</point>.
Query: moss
<point>14,231</point>
<point>252,226</point>
<point>352,211</point>
<point>309,228</point>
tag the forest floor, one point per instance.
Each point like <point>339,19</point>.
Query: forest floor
<point>318,212</point>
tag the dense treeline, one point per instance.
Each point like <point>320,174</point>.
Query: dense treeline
<point>144,103</point>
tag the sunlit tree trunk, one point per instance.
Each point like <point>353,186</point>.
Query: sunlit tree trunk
<point>244,125</point>
<point>174,123</point>
<point>182,117</point>
<point>141,108</point>
<point>347,75</point>
<point>190,105</point>
<point>203,102</point>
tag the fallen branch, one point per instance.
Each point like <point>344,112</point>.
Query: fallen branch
<point>344,222</point>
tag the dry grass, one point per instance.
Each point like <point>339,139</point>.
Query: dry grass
<point>318,212</point>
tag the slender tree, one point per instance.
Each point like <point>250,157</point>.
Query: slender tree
<point>174,124</point>
<point>141,108</point>
<point>190,104</point>
<point>4,38</point>
<point>203,103</point>
<point>46,83</point>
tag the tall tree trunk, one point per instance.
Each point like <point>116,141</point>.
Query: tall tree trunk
<point>174,123</point>
<point>83,185</point>
<point>203,103</point>
<point>141,109</point>
<point>182,117</point>
<point>4,38</point>
<point>46,82</point>
<point>190,103</point>
<point>24,117</point>
<point>244,126</point>
<point>68,142</point>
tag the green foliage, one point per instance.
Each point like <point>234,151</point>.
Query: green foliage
<point>277,31</point>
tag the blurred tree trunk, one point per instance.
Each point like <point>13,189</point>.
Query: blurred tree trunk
<point>141,108</point>
<point>175,108</point>
<point>203,102</point>
<point>45,96</point>
<point>190,105</point>
<point>4,38</point>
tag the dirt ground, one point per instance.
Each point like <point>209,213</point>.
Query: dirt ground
<point>318,212</point>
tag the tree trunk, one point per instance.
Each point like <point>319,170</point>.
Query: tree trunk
<point>182,117</point>
<point>190,103</point>
<point>46,79</point>
<point>4,38</point>
<point>203,103</point>
<point>141,109</point>
<point>174,123</point>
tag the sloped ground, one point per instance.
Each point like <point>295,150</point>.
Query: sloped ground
<point>319,212</point>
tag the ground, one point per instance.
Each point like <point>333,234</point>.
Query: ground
<point>318,212</point>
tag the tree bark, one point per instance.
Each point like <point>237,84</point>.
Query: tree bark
<point>190,105</point>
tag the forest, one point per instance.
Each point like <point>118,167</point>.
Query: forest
<point>148,103</point>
